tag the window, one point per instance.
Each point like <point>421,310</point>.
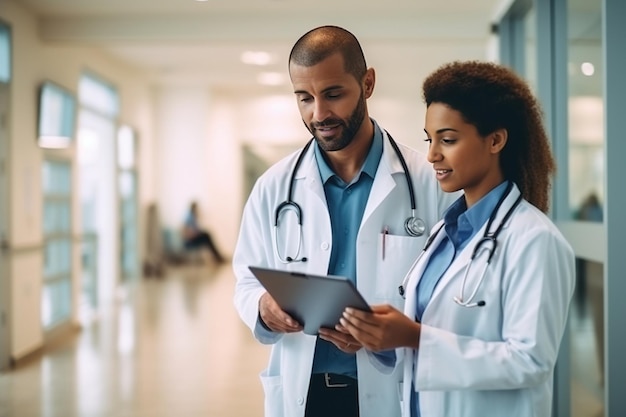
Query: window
<point>57,283</point>
<point>57,116</point>
<point>5,53</point>
<point>127,174</point>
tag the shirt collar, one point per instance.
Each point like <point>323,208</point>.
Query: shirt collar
<point>478,214</point>
<point>369,166</point>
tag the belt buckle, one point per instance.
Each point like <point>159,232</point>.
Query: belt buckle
<point>331,385</point>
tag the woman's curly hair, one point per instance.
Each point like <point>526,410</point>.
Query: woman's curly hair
<point>491,97</point>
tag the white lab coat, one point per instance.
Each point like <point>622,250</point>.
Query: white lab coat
<point>286,379</point>
<point>496,360</point>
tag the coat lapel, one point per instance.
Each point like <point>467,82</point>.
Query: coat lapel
<point>417,270</point>
<point>310,174</point>
<point>384,182</point>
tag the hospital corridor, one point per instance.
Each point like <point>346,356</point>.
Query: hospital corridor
<point>172,346</point>
<point>133,132</point>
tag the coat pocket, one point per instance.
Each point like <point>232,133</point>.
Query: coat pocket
<point>397,255</point>
<point>273,389</point>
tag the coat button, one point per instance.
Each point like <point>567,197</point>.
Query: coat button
<point>325,246</point>
<point>300,401</point>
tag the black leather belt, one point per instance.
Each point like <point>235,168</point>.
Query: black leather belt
<point>329,380</point>
<point>332,395</point>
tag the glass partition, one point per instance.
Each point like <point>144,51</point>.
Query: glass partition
<point>586,196</point>
<point>585,110</point>
<point>529,22</point>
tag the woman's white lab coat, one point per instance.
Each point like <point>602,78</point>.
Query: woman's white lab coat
<point>496,360</point>
<point>286,378</point>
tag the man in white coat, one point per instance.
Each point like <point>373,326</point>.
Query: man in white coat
<point>354,203</point>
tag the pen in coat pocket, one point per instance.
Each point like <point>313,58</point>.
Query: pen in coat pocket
<point>385,233</point>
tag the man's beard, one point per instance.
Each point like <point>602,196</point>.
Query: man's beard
<point>349,128</point>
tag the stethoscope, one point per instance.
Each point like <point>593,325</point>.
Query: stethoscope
<point>414,226</point>
<point>488,242</point>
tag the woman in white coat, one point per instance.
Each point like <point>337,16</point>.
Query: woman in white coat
<point>487,301</point>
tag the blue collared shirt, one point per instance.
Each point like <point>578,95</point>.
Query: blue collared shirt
<point>346,205</point>
<point>460,225</point>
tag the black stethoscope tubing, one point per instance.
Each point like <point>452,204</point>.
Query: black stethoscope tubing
<point>487,237</point>
<point>413,225</point>
<point>493,236</point>
<point>294,171</point>
<point>407,175</point>
<point>289,202</point>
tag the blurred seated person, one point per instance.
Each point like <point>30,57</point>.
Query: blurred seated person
<point>590,209</point>
<point>195,237</point>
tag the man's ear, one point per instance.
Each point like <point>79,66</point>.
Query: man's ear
<point>498,140</point>
<point>369,80</point>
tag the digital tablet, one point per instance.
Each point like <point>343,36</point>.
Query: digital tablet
<point>313,300</point>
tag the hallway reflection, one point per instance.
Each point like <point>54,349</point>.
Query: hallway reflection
<point>587,341</point>
<point>168,347</point>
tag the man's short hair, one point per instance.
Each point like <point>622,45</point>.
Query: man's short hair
<point>320,43</point>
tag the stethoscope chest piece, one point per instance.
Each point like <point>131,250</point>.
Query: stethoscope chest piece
<point>414,226</point>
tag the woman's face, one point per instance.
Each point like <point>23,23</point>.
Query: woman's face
<point>462,158</point>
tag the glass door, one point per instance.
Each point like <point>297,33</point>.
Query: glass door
<point>96,144</point>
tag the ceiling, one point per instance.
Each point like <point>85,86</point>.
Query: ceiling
<point>200,43</point>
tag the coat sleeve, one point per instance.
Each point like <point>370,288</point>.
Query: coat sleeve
<point>385,362</point>
<point>254,246</point>
<point>537,285</point>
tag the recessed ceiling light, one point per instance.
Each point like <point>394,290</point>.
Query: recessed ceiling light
<point>587,68</point>
<point>256,58</point>
<point>271,78</point>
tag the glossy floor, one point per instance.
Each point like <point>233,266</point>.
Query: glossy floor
<point>176,347</point>
<point>168,347</point>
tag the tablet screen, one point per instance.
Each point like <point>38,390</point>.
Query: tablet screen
<point>313,300</point>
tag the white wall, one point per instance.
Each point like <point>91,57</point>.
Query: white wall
<point>34,62</point>
<point>182,136</point>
